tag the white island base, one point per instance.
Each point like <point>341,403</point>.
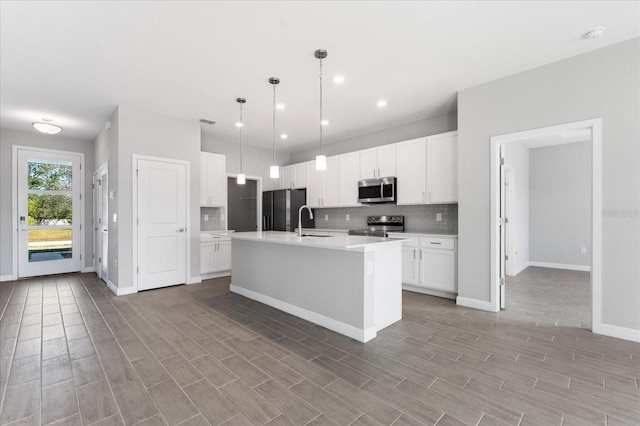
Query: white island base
<point>351,285</point>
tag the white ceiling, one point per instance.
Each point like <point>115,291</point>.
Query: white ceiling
<point>76,61</point>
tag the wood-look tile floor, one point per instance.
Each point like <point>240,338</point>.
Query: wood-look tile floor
<point>71,353</point>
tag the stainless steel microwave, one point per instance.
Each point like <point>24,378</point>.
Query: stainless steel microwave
<point>381,190</point>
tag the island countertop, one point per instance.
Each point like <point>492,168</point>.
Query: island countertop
<point>346,242</point>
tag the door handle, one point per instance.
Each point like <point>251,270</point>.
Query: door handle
<point>181,230</point>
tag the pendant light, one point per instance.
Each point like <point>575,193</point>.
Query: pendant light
<point>274,170</point>
<point>321,160</point>
<point>241,179</point>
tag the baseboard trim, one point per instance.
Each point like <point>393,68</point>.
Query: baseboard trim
<point>120,291</point>
<point>617,331</point>
<point>430,292</point>
<point>8,278</point>
<point>194,280</point>
<point>215,275</point>
<point>560,266</point>
<point>87,270</point>
<point>331,324</point>
<point>475,304</point>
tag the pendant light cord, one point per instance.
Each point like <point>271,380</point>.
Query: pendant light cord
<point>320,106</point>
<point>274,124</point>
<point>241,126</point>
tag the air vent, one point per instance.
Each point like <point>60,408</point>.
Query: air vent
<point>205,121</point>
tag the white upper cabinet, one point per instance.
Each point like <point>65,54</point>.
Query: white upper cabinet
<point>378,162</point>
<point>323,186</point>
<point>349,175</point>
<point>293,176</point>
<point>411,157</point>
<point>442,168</point>
<point>213,179</point>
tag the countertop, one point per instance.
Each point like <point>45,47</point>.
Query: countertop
<point>407,233</point>
<point>346,242</point>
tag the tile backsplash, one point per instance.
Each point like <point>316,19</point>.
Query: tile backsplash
<point>420,218</point>
<point>215,216</point>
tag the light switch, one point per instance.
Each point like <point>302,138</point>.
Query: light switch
<point>115,217</point>
<point>112,195</point>
<point>583,250</point>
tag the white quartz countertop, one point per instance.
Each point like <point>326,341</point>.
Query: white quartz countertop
<point>345,242</point>
<point>420,234</point>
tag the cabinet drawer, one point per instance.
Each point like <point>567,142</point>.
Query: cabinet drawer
<point>437,243</point>
<point>213,238</point>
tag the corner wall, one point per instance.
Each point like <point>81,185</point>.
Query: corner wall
<point>602,83</point>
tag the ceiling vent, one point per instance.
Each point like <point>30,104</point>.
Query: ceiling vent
<point>205,121</point>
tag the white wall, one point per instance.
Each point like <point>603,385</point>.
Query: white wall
<point>560,209</point>
<point>255,161</point>
<point>32,138</point>
<point>602,83</point>
<point>516,155</point>
<point>144,133</point>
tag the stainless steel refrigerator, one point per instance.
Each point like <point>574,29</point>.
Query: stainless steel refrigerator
<point>280,210</point>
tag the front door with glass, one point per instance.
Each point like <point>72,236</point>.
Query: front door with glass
<point>49,212</point>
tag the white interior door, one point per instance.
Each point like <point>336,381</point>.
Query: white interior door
<point>49,212</point>
<point>101,222</point>
<point>502,226</point>
<point>509,186</point>
<point>162,213</point>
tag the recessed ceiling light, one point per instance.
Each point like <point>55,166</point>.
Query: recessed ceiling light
<point>338,79</point>
<point>280,106</point>
<point>46,127</point>
<point>284,136</point>
<point>325,122</point>
<point>593,33</point>
<point>238,124</point>
<point>381,103</point>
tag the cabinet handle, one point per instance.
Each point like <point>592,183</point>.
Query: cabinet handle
<point>433,242</point>
<point>374,172</point>
<point>414,253</point>
<point>429,196</point>
<point>420,254</point>
<point>378,172</point>
<point>423,196</point>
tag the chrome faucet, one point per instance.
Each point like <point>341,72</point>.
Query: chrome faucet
<point>300,218</point>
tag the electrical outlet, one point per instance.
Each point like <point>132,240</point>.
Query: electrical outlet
<point>583,250</point>
<point>347,217</point>
<point>326,217</point>
<point>221,216</point>
<point>206,218</point>
<point>438,217</point>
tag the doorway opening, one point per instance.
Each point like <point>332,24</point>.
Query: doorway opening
<point>244,204</point>
<point>531,218</point>
<point>48,211</point>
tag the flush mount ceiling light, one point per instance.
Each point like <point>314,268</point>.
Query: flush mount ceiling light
<point>284,136</point>
<point>46,127</point>
<point>321,160</point>
<point>381,103</point>
<point>279,106</point>
<point>274,170</point>
<point>241,179</point>
<point>338,79</point>
<point>593,33</point>
<point>324,122</point>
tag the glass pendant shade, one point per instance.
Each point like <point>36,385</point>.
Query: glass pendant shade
<point>321,162</point>
<point>241,179</point>
<point>274,172</point>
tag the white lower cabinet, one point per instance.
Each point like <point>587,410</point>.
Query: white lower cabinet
<point>429,264</point>
<point>215,256</point>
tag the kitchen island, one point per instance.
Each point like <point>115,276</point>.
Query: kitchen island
<point>349,284</point>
